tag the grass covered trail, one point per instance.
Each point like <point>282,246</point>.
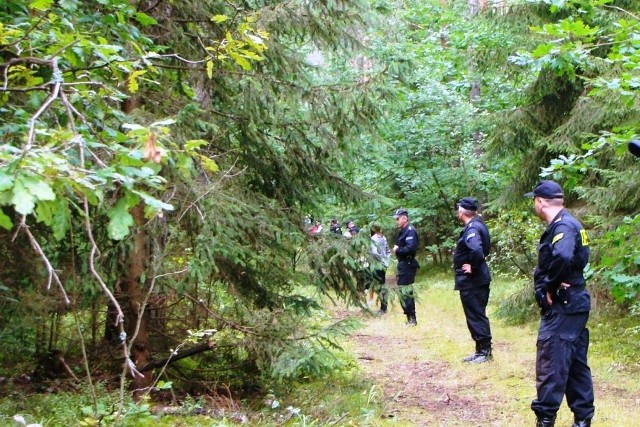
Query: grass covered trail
<point>422,381</point>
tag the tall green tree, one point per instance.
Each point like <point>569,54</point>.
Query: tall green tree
<point>167,154</point>
<point>578,117</point>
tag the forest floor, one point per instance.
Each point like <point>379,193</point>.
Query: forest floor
<point>421,380</point>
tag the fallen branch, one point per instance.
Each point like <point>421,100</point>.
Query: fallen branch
<point>209,345</point>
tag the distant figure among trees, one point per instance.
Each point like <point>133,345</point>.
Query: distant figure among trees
<point>405,250</point>
<point>381,254</point>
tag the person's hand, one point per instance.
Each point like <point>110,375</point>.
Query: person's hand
<point>564,286</point>
<point>542,298</point>
<point>395,248</point>
<point>466,268</point>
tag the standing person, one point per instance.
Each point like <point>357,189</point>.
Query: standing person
<point>347,230</point>
<point>405,250</point>
<point>563,339</point>
<point>353,228</point>
<point>472,277</point>
<point>381,253</point>
<point>334,227</point>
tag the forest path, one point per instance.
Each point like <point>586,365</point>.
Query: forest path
<point>422,381</point>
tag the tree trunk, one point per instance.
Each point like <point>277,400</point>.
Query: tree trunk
<point>133,294</point>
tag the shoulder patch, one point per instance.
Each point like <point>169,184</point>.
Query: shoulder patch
<point>557,238</point>
<point>585,239</point>
<point>470,235</point>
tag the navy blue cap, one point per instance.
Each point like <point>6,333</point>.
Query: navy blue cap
<point>547,190</point>
<point>468,203</point>
<point>400,212</point>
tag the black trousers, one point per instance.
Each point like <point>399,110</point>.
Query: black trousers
<point>406,277</point>
<point>561,365</point>
<point>474,303</point>
<point>379,278</point>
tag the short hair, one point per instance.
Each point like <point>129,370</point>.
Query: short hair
<point>467,212</point>
<point>375,228</point>
<point>555,202</point>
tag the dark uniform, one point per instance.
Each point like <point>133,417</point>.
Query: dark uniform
<point>563,339</point>
<point>407,243</point>
<point>334,227</point>
<point>472,248</point>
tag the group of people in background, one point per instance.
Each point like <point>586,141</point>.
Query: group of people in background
<point>560,292</point>
<point>563,253</point>
<point>315,228</point>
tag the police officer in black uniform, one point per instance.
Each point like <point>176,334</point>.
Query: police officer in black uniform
<point>563,339</point>
<point>405,249</point>
<point>472,277</point>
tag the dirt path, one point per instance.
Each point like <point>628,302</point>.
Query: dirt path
<point>423,382</point>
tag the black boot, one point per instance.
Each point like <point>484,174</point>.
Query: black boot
<point>411,320</point>
<point>546,422</point>
<point>582,423</point>
<point>484,355</point>
<point>472,356</point>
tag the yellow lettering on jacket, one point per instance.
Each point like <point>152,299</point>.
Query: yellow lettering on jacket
<point>585,239</point>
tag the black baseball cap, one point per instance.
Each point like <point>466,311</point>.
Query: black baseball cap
<point>400,212</point>
<point>547,189</point>
<point>468,203</point>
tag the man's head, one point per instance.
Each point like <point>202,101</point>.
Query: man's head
<point>547,189</point>
<point>353,228</point>
<point>548,199</point>
<point>467,207</point>
<point>634,147</point>
<point>402,217</point>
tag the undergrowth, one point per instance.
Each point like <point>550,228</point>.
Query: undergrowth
<point>345,396</point>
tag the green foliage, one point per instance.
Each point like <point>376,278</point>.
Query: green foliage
<point>620,260</point>
<point>73,408</point>
<point>514,236</point>
<point>208,119</point>
<point>591,50</point>
<point>224,124</point>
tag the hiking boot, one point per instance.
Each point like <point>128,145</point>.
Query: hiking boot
<point>482,357</point>
<point>412,321</point>
<point>471,357</point>
<point>546,422</point>
<point>584,423</point>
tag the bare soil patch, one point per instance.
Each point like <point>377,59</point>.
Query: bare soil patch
<point>417,392</point>
<point>421,380</point>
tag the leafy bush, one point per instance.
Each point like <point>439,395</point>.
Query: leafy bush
<point>620,260</point>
